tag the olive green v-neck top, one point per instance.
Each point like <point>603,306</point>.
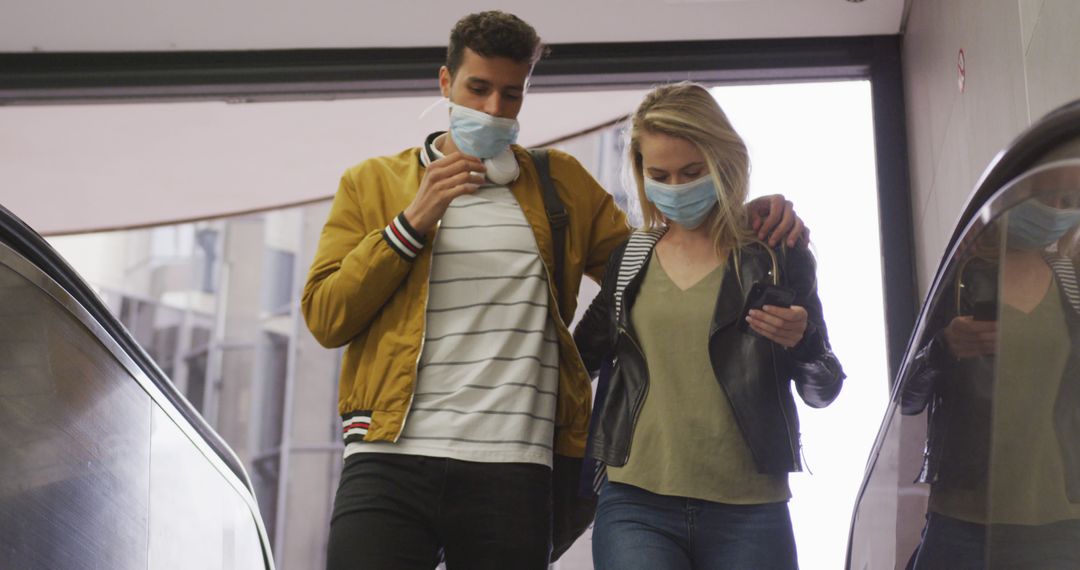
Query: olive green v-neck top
<point>1026,480</point>
<point>686,442</point>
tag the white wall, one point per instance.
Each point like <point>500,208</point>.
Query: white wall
<point>1021,62</point>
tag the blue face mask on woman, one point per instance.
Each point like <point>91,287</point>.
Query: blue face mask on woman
<point>1034,225</point>
<point>685,204</point>
<point>479,134</point>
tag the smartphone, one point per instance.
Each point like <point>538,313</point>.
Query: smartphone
<point>984,311</point>
<point>762,294</point>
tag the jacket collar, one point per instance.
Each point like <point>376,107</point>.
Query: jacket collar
<point>428,152</point>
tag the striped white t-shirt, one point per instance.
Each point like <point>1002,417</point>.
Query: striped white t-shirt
<point>489,369</point>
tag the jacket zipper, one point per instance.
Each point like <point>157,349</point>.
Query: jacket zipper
<point>423,339</point>
<point>622,313</point>
<point>783,412</point>
<point>738,422</point>
<point>416,374</point>
<point>775,274</point>
<point>779,398</point>
<point>640,401</point>
<point>553,297</point>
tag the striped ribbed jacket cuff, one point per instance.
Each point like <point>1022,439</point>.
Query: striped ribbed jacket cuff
<point>403,239</point>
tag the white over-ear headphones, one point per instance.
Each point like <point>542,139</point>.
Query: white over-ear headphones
<point>502,169</point>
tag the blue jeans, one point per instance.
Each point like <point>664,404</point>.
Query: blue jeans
<point>636,529</point>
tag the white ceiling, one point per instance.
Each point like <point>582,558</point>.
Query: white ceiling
<point>65,169</point>
<point>78,168</point>
<point>154,25</point>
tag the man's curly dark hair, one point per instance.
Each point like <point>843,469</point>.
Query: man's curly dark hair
<point>493,34</point>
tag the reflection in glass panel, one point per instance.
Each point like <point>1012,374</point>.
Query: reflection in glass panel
<point>994,381</point>
<point>74,438</point>
<point>952,378</point>
<point>212,302</point>
<point>1004,472</point>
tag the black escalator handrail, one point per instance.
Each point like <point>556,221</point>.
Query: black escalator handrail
<point>1058,126</point>
<point>28,243</point>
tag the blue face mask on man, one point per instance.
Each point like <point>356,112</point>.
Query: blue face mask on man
<point>479,134</point>
<point>1034,225</point>
<point>685,204</point>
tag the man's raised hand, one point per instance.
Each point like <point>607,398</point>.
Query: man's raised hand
<point>445,179</point>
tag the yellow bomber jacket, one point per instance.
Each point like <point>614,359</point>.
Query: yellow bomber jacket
<point>367,288</point>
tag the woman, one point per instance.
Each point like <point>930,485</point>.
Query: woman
<point>697,429</point>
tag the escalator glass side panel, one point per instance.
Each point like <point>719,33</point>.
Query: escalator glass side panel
<point>74,438</point>
<point>99,470</point>
<point>197,520</point>
<point>20,240</point>
<point>977,464</point>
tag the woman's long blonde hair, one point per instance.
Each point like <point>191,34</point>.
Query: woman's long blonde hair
<point>688,111</point>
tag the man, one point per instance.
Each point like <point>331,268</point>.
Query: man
<point>460,379</point>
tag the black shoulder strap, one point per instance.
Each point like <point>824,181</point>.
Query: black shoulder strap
<point>556,213</point>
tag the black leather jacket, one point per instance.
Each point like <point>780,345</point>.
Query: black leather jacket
<point>755,373</point>
<point>959,394</point>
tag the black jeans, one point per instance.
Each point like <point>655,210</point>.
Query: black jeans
<point>397,512</point>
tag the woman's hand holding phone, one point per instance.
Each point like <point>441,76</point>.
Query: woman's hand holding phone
<point>783,325</point>
<point>769,313</point>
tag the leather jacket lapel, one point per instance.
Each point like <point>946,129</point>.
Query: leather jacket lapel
<point>728,307</point>
<point>752,268</point>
